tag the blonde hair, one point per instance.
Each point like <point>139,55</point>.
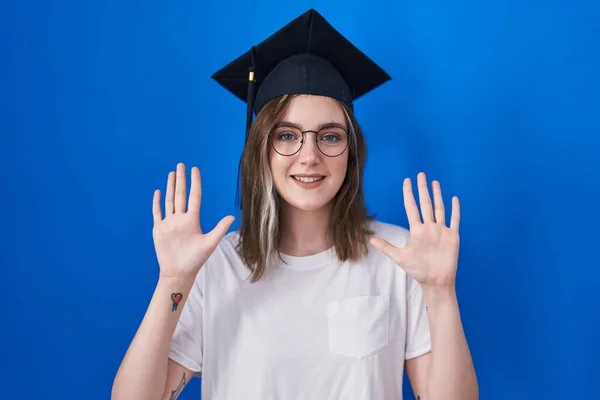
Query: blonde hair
<point>260,223</point>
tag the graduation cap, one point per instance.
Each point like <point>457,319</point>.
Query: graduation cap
<point>306,56</point>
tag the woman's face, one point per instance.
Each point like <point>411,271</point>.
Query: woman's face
<point>308,180</point>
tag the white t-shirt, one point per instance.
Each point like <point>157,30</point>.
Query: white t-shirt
<point>313,329</point>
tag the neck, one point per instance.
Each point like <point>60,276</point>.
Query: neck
<point>304,233</point>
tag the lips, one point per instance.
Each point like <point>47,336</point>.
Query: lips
<point>308,178</point>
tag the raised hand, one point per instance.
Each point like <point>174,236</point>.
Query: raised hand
<point>431,256</point>
<point>181,247</point>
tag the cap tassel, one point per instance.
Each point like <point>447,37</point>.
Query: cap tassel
<point>249,115</point>
<point>251,90</point>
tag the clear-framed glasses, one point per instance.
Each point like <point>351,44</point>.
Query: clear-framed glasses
<point>287,140</point>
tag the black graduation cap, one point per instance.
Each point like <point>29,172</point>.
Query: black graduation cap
<point>306,56</point>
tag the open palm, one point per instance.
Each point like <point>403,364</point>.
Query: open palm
<point>431,256</point>
<point>181,246</point>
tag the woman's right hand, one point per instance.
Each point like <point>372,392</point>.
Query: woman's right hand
<point>181,247</point>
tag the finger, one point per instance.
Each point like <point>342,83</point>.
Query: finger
<point>169,196</point>
<point>410,204</point>
<point>440,212</point>
<point>424,198</point>
<point>220,230</point>
<point>386,248</point>
<point>180,189</point>
<point>195,192</point>
<point>455,218</point>
<point>156,211</point>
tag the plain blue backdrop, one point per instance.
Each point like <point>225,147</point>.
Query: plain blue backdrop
<point>497,100</point>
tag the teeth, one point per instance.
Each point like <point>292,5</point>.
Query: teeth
<point>307,179</point>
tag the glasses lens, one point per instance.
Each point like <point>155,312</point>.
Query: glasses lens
<point>286,140</point>
<point>331,141</point>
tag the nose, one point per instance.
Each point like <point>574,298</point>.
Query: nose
<point>309,153</point>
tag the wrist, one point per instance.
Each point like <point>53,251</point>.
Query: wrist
<point>165,274</point>
<point>176,283</point>
<point>173,292</point>
<point>435,295</point>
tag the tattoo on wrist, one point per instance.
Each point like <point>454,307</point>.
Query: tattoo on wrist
<point>176,298</point>
<point>175,393</point>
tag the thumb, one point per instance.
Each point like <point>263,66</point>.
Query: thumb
<point>220,230</point>
<point>387,248</point>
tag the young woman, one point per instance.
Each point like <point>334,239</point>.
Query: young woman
<point>311,298</point>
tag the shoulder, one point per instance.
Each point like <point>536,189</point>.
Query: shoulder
<point>396,235</point>
<point>227,249</point>
<point>225,260</point>
<point>230,242</point>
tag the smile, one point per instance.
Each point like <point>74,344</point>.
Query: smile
<point>308,179</point>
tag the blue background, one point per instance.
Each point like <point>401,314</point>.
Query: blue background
<point>497,100</point>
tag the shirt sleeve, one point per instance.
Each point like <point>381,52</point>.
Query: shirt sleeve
<point>186,344</point>
<point>418,337</point>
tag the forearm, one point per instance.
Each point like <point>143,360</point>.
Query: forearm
<point>143,371</point>
<point>452,374</point>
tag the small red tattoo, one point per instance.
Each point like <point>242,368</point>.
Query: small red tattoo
<point>176,297</point>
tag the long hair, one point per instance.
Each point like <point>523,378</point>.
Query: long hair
<point>260,232</point>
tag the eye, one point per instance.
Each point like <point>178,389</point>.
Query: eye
<point>330,137</point>
<point>286,136</point>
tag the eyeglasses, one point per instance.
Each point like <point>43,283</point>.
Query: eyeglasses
<point>288,140</point>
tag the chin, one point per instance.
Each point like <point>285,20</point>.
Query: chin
<point>307,199</point>
<point>307,206</point>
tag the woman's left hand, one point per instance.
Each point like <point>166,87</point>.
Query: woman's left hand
<point>431,256</point>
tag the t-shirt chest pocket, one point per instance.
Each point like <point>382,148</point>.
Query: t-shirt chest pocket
<point>358,326</point>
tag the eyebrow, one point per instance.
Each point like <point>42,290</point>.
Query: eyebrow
<point>319,127</point>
